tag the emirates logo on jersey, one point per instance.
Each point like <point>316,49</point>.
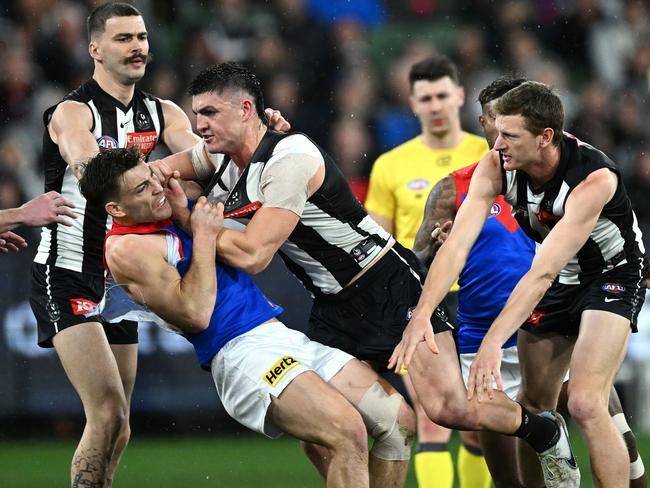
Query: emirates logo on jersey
<point>535,317</point>
<point>545,217</point>
<point>144,141</point>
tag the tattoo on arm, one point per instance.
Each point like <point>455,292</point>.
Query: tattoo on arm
<point>440,208</point>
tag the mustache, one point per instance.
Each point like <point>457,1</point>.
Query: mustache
<point>145,58</point>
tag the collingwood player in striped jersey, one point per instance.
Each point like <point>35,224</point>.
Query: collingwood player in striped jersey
<point>293,200</point>
<point>67,274</point>
<point>580,300</point>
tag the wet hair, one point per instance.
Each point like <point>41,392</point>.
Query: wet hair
<point>537,104</point>
<point>229,76</point>
<point>96,21</point>
<point>102,175</point>
<point>498,88</point>
<point>432,69</point>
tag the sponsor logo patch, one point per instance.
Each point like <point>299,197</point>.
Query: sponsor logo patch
<point>53,310</point>
<point>613,288</point>
<point>142,121</point>
<point>82,306</point>
<point>144,141</point>
<point>535,317</point>
<point>419,184</point>
<point>279,369</point>
<point>107,142</point>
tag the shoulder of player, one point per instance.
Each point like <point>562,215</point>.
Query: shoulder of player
<point>397,154</point>
<point>71,113</point>
<point>171,110</point>
<point>602,179</point>
<point>295,144</point>
<point>475,143</point>
<point>128,252</point>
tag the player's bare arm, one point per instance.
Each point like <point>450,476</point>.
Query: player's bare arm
<point>450,259</point>
<point>582,210</point>
<point>385,222</point>
<point>138,262</point>
<point>70,128</point>
<point>439,212</point>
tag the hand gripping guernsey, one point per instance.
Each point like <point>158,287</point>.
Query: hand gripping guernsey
<point>608,271</point>
<point>364,284</point>
<point>250,354</point>
<point>67,274</point>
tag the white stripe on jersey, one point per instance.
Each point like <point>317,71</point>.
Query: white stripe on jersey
<point>558,205</point>
<point>153,111</point>
<point>320,276</point>
<point>124,125</point>
<point>97,131</point>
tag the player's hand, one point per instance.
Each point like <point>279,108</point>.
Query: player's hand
<point>11,242</point>
<point>206,219</point>
<point>162,171</point>
<point>440,233</point>
<point>485,371</point>
<point>276,120</point>
<point>419,329</point>
<point>177,199</point>
<point>47,208</point>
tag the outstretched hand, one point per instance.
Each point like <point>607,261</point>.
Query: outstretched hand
<point>11,242</point>
<point>47,208</point>
<point>419,329</point>
<point>485,371</point>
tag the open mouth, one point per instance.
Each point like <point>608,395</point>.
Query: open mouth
<point>162,202</point>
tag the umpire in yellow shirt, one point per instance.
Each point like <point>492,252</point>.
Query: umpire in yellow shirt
<point>400,182</point>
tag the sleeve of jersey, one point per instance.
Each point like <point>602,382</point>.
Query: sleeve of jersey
<point>380,199</point>
<point>285,180</point>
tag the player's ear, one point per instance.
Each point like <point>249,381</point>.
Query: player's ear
<point>546,137</point>
<point>113,209</point>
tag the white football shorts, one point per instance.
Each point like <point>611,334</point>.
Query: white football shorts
<point>510,373</point>
<point>263,362</point>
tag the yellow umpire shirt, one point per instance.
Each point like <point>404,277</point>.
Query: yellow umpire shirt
<point>401,179</point>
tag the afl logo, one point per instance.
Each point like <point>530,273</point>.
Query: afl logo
<point>495,210</point>
<point>107,142</point>
<point>419,184</point>
<point>613,288</point>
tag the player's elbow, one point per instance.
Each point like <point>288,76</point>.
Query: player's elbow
<point>195,319</point>
<point>256,263</point>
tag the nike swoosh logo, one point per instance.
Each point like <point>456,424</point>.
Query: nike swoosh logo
<point>607,300</point>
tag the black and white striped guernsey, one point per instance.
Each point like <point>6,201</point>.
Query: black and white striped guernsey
<point>79,247</point>
<point>335,238</point>
<point>616,237</point>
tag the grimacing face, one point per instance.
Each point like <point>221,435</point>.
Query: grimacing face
<point>219,120</point>
<point>437,105</point>
<point>518,146</point>
<point>123,48</point>
<point>142,197</point>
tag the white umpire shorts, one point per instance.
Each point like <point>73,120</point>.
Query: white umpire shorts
<point>510,373</point>
<point>263,362</point>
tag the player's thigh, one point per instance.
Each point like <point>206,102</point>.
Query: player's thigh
<point>90,364</point>
<point>126,356</point>
<point>543,361</point>
<point>598,352</point>
<point>312,410</point>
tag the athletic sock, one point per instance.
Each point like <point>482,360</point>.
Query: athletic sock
<point>540,432</point>
<point>472,469</point>
<point>434,467</point>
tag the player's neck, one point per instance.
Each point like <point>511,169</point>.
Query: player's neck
<point>252,139</point>
<point>122,93</point>
<point>544,170</point>
<point>451,139</point>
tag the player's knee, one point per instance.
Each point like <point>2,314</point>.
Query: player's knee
<point>585,406</point>
<point>111,415</point>
<point>349,434</point>
<point>390,422</point>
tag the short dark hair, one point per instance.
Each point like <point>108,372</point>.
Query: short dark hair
<point>100,181</point>
<point>537,104</point>
<point>96,21</point>
<point>229,76</point>
<point>498,88</point>
<point>432,69</point>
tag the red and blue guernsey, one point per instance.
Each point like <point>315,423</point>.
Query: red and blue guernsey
<point>239,307</point>
<point>501,255</point>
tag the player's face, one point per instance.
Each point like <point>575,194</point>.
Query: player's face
<point>219,120</point>
<point>487,121</point>
<point>142,198</point>
<point>437,105</point>
<point>518,146</point>
<point>123,48</point>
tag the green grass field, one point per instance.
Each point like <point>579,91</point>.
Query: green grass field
<point>223,461</point>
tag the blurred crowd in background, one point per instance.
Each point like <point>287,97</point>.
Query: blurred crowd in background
<point>337,69</point>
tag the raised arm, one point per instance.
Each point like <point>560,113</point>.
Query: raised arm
<point>450,259</point>
<point>582,209</point>
<point>439,210</point>
<point>138,263</point>
<point>70,128</point>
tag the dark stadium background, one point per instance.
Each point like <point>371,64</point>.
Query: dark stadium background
<point>337,70</point>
